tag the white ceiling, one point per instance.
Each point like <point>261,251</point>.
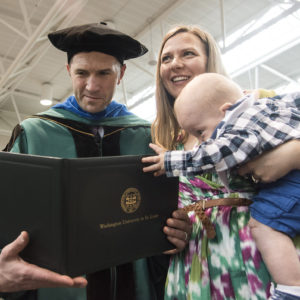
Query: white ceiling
<point>27,60</point>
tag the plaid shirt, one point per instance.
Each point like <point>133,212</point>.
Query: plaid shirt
<point>249,128</point>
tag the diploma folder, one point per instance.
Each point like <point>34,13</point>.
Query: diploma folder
<point>84,214</point>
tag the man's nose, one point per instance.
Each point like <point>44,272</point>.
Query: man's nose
<point>92,83</point>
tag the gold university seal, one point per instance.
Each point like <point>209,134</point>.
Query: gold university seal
<point>131,200</point>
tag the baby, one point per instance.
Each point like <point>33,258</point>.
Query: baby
<point>232,129</point>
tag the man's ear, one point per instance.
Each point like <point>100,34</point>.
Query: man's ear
<point>122,72</point>
<point>224,107</point>
<point>68,69</point>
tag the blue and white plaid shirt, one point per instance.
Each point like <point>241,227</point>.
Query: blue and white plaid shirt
<point>249,128</point>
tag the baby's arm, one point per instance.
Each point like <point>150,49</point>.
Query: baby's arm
<point>221,154</point>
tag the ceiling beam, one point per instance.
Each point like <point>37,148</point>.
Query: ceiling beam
<point>268,24</point>
<point>31,41</point>
<point>13,84</point>
<point>26,18</point>
<point>265,58</point>
<point>4,132</point>
<point>26,52</point>
<point>159,17</point>
<point>142,68</point>
<point>14,29</point>
<point>16,108</point>
<point>28,95</point>
<point>25,56</point>
<point>279,74</point>
<point>223,23</point>
<point>10,125</point>
<point>2,69</point>
<point>124,92</point>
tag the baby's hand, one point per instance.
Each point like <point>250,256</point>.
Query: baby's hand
<point>157,162</point>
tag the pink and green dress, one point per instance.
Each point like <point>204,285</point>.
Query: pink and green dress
<point>229,266</point>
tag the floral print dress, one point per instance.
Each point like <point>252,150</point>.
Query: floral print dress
<point>229,266</point>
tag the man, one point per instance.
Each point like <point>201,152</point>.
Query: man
<point>89,124</point>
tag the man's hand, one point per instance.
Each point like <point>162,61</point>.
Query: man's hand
<point>157,162</point>
<point>18,275</point>
<point>178,230</point>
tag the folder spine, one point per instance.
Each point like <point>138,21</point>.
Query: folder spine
<point>65,209</point>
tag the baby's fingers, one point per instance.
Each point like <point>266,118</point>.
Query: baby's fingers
<point>152,168</point>
<point>150,159</point>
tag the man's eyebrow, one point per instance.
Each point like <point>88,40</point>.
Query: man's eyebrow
<point>105,70</point>
<point>80,69</point>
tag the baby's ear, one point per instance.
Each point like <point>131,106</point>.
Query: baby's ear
<point>225,106</point>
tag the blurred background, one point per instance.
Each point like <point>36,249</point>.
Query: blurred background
<point>259,41</point>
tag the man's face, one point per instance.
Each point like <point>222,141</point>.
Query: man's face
<point>94,76</point>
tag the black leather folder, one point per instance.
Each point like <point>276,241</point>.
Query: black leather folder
<point>84,214</point>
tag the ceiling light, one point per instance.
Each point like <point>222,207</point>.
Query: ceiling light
<point>46,94</point>
<point>46,102</point>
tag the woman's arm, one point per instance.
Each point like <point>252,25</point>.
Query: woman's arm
<point>274,164</point>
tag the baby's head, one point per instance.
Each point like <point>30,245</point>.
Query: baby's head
<point>202,103</point>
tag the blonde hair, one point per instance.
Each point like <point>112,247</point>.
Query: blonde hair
<point>165,128</point>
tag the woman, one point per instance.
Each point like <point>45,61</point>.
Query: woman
<point>228,266</point>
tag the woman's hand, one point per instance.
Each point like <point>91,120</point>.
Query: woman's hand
<point>178,230</point>
<point>18,275</point>
<point>274,164</point>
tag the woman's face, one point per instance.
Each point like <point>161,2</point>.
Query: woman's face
<point>183,57</point>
